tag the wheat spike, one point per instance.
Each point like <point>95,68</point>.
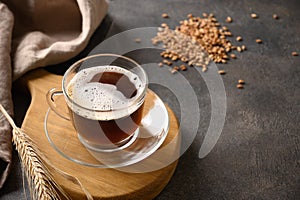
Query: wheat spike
<point>41,183</point>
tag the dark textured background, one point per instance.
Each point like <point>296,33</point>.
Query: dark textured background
<point>258,153</point>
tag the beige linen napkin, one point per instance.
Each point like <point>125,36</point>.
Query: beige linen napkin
<point>37,33</point>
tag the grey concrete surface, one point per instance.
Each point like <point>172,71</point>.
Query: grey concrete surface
<point>258,153</point>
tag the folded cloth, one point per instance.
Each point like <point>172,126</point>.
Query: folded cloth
<point>6,27</point>
<point>37,33</point>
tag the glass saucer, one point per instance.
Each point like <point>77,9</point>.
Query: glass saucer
<point>152,133</point>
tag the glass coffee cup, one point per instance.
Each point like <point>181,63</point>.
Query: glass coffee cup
<point>105,94</point>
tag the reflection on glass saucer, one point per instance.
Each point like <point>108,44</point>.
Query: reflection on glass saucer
<point>152,133</point>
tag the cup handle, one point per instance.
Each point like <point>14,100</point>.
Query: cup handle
<point>51,97</point>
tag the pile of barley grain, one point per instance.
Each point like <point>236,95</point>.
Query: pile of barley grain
<point>196,41</point>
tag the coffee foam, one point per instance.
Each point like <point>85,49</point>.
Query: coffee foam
<point>100,96</point>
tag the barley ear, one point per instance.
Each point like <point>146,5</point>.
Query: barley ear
<point>40,181</point>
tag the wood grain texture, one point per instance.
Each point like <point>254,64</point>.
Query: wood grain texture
<point>101,183</point>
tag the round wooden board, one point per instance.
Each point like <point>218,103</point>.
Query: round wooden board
<point>123,183</point>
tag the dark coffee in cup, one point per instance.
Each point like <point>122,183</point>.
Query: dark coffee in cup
<point>108,109</point>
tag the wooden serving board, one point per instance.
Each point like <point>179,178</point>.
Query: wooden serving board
<point>101,183</point>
